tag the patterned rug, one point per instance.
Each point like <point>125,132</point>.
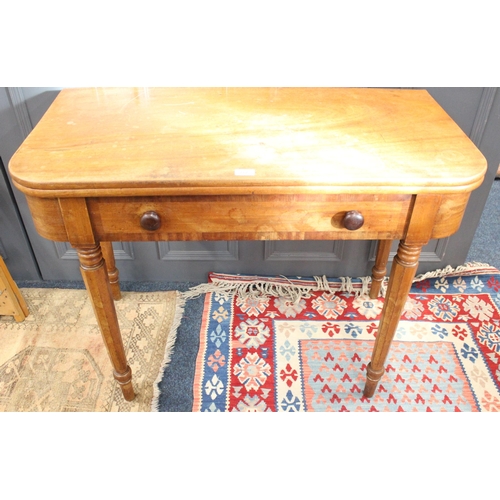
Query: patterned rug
<point>55,360</point>
<point>289,344</point>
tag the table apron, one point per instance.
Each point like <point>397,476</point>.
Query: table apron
<point>248,217</point>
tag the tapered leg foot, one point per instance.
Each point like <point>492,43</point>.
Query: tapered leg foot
<point>125,381</point>
<point>372,379</point>
<point>96,280</point>
<point>400,281</point>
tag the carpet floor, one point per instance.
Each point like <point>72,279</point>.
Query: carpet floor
<point>261,349</point>
<point>45,366</point>
<point>55,360</point>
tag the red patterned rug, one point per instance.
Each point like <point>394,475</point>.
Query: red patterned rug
<point>290,344</point>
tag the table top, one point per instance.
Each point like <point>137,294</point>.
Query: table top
<point>128,141</point>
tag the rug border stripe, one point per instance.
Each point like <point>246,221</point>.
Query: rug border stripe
<point>199,365</point>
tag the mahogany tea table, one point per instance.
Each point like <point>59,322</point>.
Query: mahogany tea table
<point>150,164</point>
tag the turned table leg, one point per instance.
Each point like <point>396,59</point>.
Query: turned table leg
<point>380,268</point>
<point>96,280</point>
<point>113,275</point>
<point>402,273</point>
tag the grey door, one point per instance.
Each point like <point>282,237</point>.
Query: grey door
<point>475,109</point>
<point>15,247</point>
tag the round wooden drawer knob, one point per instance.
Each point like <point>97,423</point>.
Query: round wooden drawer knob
<point>353,220</point>
<point>150,221</point>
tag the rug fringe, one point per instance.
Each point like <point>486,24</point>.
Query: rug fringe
<point>294,289</point>
<point>180,303</point>
<point>468,267</point>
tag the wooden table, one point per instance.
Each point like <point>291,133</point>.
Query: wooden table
<point>131,164</point>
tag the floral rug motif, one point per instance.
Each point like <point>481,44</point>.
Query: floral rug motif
<point>268,352</point>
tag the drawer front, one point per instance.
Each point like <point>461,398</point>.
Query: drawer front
<point>293,217</point>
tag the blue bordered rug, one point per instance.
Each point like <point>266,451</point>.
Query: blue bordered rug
<point>302,344</point>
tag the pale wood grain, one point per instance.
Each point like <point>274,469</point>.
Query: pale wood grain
<point>297,140</point>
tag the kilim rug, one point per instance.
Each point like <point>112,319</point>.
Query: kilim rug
<point>295,344</point>
<point>55,360</point>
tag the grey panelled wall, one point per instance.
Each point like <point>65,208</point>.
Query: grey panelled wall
<point>475,109</point>
<point>14,244</point>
